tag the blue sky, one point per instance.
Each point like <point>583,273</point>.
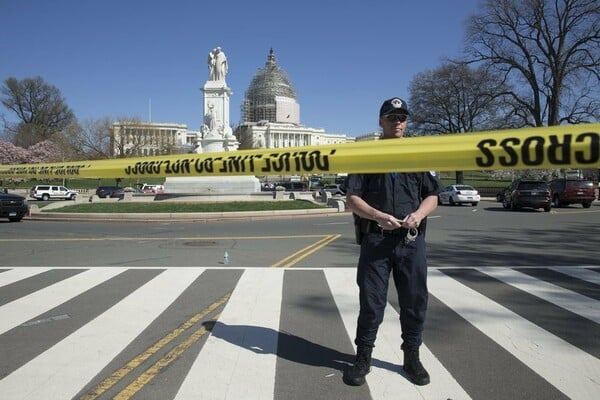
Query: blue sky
<point>111,58</point>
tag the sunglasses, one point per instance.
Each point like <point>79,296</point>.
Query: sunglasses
<point>396,117</point>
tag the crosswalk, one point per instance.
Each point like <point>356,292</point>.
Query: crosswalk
<point>267,333</point>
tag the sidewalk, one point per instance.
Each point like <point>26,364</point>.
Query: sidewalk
<point>336,206</point>
<point>179,217</point>
<point>192,217</point>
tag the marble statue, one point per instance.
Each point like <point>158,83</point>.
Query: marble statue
<point>217,65</point>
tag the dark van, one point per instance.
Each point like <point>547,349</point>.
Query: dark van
<point>527,193</point>
<point>104,192</point>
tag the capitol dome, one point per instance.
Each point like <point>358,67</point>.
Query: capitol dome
<point>270,96</point>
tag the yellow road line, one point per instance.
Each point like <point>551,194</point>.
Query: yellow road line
<point>137,361</point>
<point>307,248</point>
<point>569,212</point>
<point>171,356</point>
<point>314,249</point>
<point>159,238</point>
<point>304,252</point>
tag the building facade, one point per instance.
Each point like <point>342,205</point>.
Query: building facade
<point>271,114</point>
<point>137,139</point>
<point>368,137</point>
<point>270,119</point>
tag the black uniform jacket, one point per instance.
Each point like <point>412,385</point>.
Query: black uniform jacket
<point>397,194</point>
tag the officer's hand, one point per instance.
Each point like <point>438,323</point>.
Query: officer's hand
<point>388,222</point>
<point>412,220</point>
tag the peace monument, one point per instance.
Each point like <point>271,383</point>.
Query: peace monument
<point>216,135</point>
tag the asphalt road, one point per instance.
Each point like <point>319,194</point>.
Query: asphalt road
<point>486,235</point>
<point>513,309</point>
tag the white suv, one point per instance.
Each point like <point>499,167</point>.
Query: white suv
<point>50,192</point>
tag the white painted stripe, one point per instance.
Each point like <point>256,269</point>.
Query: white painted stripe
<point>61,371</point>
<point>386,379</point>
<point>25,308</point>
<point>571,370</point>
<point>580,273</point>
<point>443,385</point>
<point>569,300</point>
<point>239,358</point>
<point>17,274</point>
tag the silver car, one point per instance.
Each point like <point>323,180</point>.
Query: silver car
<point>459,194</point>
<point>335,190</point>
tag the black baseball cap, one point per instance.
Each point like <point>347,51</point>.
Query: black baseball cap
<point>394,105</point>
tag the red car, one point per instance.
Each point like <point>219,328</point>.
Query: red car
<point>572,191</point>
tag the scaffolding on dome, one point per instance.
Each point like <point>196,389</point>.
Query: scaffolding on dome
<point>260,99</point>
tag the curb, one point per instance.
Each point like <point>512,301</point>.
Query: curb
<point>181,217</point>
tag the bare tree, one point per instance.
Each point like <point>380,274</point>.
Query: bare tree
<point>39,107</point>
<point>456,98</point>
<point>90,139</point>
<point>549,50</point>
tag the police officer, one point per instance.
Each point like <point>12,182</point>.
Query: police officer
<point>390,211</point>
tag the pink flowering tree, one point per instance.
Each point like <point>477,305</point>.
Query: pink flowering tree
<point>44,151</point>
<point>11,154</point>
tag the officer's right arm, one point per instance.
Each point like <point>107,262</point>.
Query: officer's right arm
<point>361,208</point>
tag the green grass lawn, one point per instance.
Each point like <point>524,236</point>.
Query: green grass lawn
<point>182,207</point>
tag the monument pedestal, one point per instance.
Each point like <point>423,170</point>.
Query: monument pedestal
<point>217,136</point>
<point>213,185</point>
<point>211,144</point>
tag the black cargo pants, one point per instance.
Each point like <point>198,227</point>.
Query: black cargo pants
<point>380,257</point>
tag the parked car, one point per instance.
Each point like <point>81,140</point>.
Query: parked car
<point>152,188</point>
<point>52,192</point>
<point>527,193</point>
<point>267,187</point>
<point>135,191</point>
<point>572,191</point>
<point>293,186</point>
<point>105,192</point>
<point>335,189</point>
<point>120,193</point>
<point>12,206</point>
<point>459,194</point>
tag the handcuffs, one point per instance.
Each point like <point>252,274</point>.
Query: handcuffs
<point>411,235</point>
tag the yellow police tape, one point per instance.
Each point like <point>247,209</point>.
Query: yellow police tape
<point>535,148</point>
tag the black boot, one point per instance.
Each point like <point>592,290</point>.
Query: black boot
<point>413,367</point>
<point>355,374</point>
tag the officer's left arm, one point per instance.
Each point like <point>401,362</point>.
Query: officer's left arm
<point>427,206</point>
<point>430,186</point>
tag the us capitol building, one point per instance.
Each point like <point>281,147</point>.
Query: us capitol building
<point>270,118</point>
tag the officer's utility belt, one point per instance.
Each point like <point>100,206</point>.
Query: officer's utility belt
<point>373,228</point>
<point>365,226</point>
<point>368,226</point>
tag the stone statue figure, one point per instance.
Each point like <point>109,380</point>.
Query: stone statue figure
<point>211,65</point>
<point>211,118</point>
<point>217,65</point>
